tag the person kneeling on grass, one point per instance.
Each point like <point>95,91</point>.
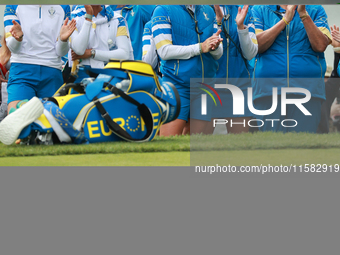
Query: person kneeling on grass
<point>98,111</point>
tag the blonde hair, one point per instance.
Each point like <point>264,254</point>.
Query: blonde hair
<point>5,53</point>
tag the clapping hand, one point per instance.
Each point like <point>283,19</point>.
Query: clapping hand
<point>16,31</point>
<point>241,16</point>
<point>290,12</point>
<point>336,36</point>
<point>67,29</point>
<point>301,9</point>
<point>219,14</point>
<point>212,42</point>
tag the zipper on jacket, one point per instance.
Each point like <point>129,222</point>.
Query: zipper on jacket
<point>248,73</point>
<point>254,68</point>
<point>199,41</point>
<point>320,65</point>
<point>39,11</point>
<point>226,10</point>
<point>177,66</point>
<point>287,32</point>
<point>248,70</point>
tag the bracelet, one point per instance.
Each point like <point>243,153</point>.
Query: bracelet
<point>336,49</point>
<point>303,17</point>
<point>88,16</point>
<point>93,53</point>
<point>219,23</point>
<point>287,23</point>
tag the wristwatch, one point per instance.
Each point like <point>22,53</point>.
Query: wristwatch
<point>93,53</point>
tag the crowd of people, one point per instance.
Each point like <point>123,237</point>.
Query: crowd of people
<point>260,47</point>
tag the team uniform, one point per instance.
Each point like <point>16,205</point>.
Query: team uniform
<point>239,47</point>
<point>107,34</point>
<point>290,57</point>
<point>136,16</point>
<point>149,48</point>
<point>178,32</point>
<point>36,61</point>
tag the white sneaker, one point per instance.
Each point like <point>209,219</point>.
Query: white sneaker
<point>14,123</point>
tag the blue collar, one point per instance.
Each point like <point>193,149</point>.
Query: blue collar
<point>276,8</point>
<point>105,12</point>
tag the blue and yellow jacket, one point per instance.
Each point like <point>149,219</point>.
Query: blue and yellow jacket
<point>137,16</point>
<point>291,55</point>
<point>232,67</point>
<point>41,26</point>
<point>184,32</point>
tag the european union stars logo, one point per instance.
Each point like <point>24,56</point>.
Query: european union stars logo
<point>133,123</point>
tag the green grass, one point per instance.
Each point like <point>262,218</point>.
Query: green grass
<point>160,144</point>
<point>257,141</point>
<point>131,159</point>
<point>265,148</point>
<point>265,141</point>
<point>284,157</point>
<point>251,149</point>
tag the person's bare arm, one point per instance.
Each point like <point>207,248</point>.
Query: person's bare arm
<point>318,40</point>
<point>266,38</point>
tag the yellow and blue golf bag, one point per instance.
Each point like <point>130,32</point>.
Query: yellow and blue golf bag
<point>125,101</point>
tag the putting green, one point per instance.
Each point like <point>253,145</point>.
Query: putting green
<point>236,158</point>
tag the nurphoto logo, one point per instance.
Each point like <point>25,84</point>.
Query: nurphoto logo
<point>238,104</point>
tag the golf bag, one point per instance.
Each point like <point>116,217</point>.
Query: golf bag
<point>125,101</point>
